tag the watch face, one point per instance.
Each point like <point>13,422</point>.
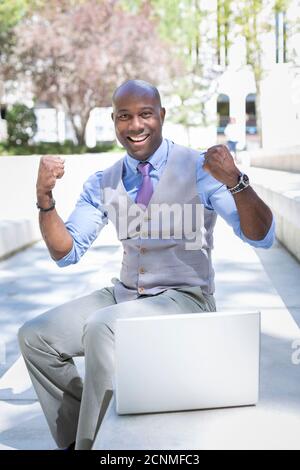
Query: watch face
<point>245,179</point>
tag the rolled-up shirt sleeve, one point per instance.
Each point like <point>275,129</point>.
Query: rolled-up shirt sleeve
<point>215,196</point>
<point>86,221</point>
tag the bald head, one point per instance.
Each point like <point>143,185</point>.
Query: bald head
<point>138,88</point>
<point>138,117</point>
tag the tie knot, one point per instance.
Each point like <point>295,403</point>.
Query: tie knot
<point>144,168</point>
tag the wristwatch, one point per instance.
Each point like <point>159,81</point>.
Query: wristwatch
<point>242,184</point>
<point>48,208</point>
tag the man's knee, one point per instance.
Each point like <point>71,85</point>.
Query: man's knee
<point>27,335</point>
<point>98,324</point>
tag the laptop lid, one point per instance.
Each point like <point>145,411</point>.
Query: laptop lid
<point>186,361</point>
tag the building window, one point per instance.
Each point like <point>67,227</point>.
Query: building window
<point>3,111</point>
<point>222,112</point>
<point>251,114</point>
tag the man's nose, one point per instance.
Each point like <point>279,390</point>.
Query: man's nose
<point>136,124</point>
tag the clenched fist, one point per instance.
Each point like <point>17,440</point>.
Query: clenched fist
<point>220,164</point>
<point>50,169</point>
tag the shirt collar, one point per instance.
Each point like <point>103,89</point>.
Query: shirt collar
<point>156,159</point>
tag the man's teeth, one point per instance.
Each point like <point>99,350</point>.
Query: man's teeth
<point>138,139</point>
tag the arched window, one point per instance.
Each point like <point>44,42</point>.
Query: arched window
<point>251,114</point>
<point>2,111</point>
<point>223,112</point>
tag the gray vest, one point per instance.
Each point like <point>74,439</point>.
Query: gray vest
<point>169,244</point>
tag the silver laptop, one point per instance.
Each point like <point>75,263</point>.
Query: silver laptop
<point>186,362</point>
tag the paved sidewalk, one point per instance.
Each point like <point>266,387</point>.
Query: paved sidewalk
<point>245,279</point>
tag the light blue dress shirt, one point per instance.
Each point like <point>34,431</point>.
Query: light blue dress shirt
<point>88,218</point>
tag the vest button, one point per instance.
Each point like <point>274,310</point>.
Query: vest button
<point>143,250</point>
<point>141,290</point>
<point>144,234</point>
<point>142,270</point>
<point>146,218</point>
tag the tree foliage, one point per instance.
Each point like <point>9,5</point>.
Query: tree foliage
<point>179,23</point>
<point>21,124</point>
<point>185,25</point>
<point>76,53</point>
<point>11,12</point>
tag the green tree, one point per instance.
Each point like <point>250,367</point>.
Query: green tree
<point>11,12</point>
<point>21,124</point>
<point>179,23</point>
<point>185,24</point>
<point>76,53</point>
<point>224,20</point>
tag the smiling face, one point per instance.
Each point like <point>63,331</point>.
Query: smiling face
<point>138,118</point>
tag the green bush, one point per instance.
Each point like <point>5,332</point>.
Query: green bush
<point>21,124</point>
<point>55,148</point>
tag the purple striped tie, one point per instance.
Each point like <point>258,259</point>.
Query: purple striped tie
<point>145,191</point>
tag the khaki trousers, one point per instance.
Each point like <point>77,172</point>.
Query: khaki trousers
<point>85,327</point>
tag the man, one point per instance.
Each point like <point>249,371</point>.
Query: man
<point>161,273</point>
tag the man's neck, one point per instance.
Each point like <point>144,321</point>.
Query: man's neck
<point>147,156</point>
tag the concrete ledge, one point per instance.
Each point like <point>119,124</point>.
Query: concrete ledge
<point>272,424</point>
<point>16,235</point>
<point>281,191</point>
<point>287,159</point>
<point>241,283</point>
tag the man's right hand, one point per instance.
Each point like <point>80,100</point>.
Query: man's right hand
<point>57,238</point>
<point>50,169</point>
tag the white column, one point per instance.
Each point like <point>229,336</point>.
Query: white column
<point>280,127</point>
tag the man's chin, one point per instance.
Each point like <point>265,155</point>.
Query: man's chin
<point>139,154</point>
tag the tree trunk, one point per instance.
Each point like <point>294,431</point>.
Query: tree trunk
<point>79,135</point>
<point>80,130</point>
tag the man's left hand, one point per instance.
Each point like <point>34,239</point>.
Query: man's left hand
<point>220,164</point>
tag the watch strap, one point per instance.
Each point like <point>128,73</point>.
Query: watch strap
<point>241,185</point>
<point>42,209</point>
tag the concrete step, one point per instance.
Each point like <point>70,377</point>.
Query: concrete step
<point>16,235</point>
<point>281,191</point>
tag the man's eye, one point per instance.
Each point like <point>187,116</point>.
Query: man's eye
<point>123,116</point>
<point>147,114</point>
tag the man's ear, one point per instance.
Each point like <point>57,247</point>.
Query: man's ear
<point>162,114</point>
